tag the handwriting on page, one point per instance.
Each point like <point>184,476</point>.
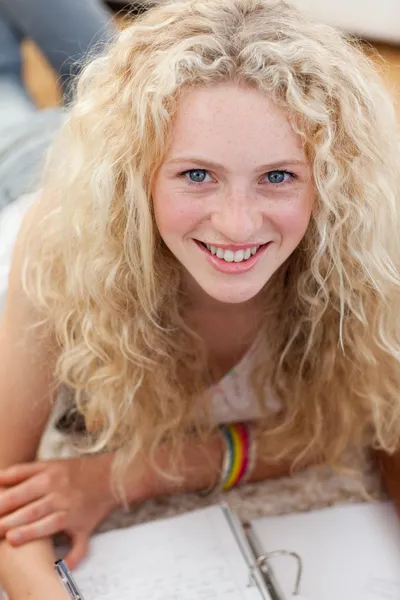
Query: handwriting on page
<point>207,584</point>
<point>192,557</point>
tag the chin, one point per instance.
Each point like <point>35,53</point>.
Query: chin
<point>231,294</point>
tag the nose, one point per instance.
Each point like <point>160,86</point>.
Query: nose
<point>236,217</point>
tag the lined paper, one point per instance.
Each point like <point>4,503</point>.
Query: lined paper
<point>191,557</point>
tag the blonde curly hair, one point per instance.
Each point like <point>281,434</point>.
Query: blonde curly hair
<point>109,288</point>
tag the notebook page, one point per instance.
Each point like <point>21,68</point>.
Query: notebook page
<point>191,557</point>
<point>349,552</point>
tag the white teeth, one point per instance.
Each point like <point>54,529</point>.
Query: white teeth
<point>239,256</point>
<point>230,256</point>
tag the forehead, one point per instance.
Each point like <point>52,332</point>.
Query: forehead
<point>229,118</point>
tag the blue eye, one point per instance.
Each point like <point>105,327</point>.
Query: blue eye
<point>194,175</point>
<point>278,177</point>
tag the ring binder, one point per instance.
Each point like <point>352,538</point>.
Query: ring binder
<point>261,564</point>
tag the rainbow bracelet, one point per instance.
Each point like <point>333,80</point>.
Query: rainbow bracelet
<point>239,457</point>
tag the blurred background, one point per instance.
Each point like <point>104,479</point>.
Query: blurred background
<point>376,22</point>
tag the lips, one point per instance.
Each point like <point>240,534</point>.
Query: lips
<point>232,262</point>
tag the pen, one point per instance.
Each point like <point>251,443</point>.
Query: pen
<point>67,580</point>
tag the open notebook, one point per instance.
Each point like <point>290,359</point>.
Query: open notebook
<point>350,552</point>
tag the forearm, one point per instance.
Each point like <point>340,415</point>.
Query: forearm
<point>27,572</point>
<point>199,469</point>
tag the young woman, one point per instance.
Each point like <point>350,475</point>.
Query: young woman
<point>215,241</point>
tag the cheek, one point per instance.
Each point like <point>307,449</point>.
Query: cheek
<point>292,218</point>
<point>175,216</point>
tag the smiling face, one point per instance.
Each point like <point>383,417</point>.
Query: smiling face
<point>233,197</point>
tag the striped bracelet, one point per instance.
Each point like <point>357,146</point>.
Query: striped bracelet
<point>239,456</point>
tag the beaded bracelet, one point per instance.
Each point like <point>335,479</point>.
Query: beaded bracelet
<point>239,456</point>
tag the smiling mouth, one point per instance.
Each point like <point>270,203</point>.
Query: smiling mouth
<point>230,255</point>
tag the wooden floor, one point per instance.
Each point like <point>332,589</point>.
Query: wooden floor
<point>42,82</point>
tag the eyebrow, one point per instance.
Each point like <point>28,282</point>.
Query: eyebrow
<point>215,165</point>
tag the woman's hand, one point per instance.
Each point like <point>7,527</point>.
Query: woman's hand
<point>47,589</point>
<point>71,496</point>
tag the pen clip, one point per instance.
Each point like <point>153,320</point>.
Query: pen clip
<point>67,580</point>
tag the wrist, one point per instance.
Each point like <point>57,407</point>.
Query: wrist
<point>104,477</point>
<point>136,482</point>
<point>28,574</point>
<point>196,468</point>
<point>44,587</point>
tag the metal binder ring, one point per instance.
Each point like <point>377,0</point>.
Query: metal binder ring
<point>262,561</point>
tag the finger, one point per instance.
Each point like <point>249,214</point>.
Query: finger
<point>22,494</point>
<point>26,515</point>
<point>18,473</point>
<point>78,551</point>
<point>46,527</point>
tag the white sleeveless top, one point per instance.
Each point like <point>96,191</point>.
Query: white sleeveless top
<point>232,397</point>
